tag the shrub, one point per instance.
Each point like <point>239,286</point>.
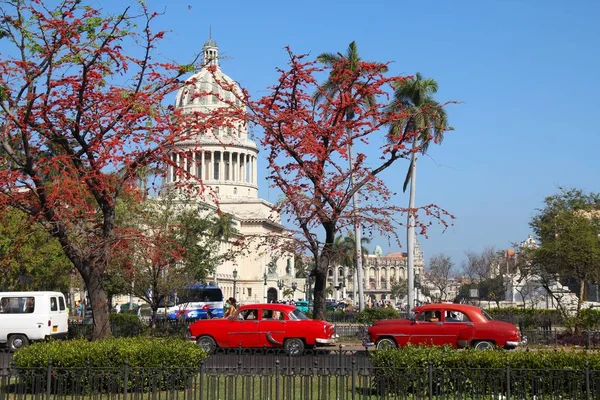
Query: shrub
<point>527,318</point>
<point>125,325</point>
<point>156,363</point>
<point>445,371</point>
<point>370,315</point>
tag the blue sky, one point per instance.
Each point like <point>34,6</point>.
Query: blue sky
<point>525,73</point>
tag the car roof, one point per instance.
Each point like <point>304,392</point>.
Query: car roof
<point>453,306</point>
<point>269,306</point>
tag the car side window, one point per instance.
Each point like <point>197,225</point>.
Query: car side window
<point>251,314</point>
<point>272,314</point>
<point>430,316</point>
<point>456,316</point>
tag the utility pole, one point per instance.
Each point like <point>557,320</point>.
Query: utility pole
<point>357,236</point>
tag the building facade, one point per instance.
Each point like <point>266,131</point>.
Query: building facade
<point>225,160</point>
<point>380,273</point>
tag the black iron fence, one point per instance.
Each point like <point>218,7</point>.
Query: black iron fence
<point>290,382</point>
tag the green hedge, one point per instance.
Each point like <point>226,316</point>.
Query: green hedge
<point>370,315</point>
<point>121,325</point>
<point>527,318</point>
<point>156,363</point>
<point>412,369</point>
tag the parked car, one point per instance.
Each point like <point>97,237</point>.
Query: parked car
<point>302,305</point>
<point>263,325</point>
<point>457,325</point>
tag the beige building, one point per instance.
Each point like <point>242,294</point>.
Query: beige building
<point>226,161</point>
<point>380,273</point>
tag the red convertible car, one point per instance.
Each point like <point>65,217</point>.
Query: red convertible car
<point>263,325</point>
<point>457,325</point>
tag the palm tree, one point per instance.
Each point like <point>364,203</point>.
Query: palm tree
<point>345,255</point>
<point>426,120</point>
<point>329,90</point>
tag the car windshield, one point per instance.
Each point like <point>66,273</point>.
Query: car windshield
<point>297,314</point>
<point>486,315</point>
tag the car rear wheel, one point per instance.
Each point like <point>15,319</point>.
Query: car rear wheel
<point>15,342</point>
<point>386,343</point>
<point>293,347</point>
<point>207,344</point>
<point>484,345</point>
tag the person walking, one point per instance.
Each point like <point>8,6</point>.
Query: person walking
<point>232,307</point>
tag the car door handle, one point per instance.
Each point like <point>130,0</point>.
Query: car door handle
<point>438,323</point>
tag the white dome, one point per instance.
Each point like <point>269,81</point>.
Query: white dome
<point>205,90</point>
<point>224,157</point>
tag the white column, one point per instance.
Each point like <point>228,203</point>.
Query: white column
<point>387,279</point>
<point>336,281</point>
<point>221,168</point>
<point>255,169</point>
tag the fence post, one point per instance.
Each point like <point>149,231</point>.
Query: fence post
<point>354,377</point>
<point>201,383</point>
<point>49,380</point>
<point>430,377</point>
<point>587,380</point>
<point>507,380</point>
<point>277,370</point>
<point>125,379</point>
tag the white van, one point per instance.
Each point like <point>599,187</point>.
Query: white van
<point>29,316</point>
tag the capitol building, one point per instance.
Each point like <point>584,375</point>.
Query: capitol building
<point>225,160</point>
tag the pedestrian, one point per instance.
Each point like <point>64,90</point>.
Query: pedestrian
<point>232,307</point>
<point>117,308</point>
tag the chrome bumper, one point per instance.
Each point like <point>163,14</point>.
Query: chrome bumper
<point>523,342</point>
<point>326,341</point>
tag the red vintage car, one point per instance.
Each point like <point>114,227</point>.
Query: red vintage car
<point>263,325</point>
<point>457,325</point>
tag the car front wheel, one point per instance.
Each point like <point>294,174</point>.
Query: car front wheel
<point>386,343</point>
<point>484,345</point>
<point>207,344</point>
<point>293,347</point>
<point>15,342</point>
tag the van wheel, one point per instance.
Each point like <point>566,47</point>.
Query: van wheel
<point>15,342</point>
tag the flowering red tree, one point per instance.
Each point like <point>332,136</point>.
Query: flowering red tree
<point>79,119</point>
<point>307,153</point>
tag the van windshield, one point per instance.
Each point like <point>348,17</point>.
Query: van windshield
<point>201,295</point>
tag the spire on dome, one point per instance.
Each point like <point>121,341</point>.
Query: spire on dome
<point>210,51</point>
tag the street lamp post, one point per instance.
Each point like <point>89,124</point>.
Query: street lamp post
<point>417,286</point>
<point>265,282</point>
<point>280,286</point>
<point>235,274</point>
<point>294,287</point>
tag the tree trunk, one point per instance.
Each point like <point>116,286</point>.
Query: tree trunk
<point>99,304</point>
<point>320,277</point>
